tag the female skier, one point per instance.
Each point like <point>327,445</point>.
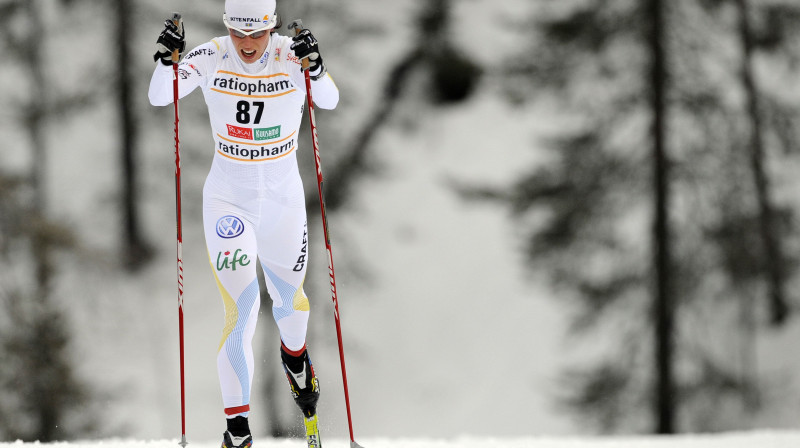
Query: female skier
<point>253,199</point>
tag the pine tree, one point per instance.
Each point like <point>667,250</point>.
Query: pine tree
<point>135,250</point>
<point>41,390</point>
<point>649,240</point>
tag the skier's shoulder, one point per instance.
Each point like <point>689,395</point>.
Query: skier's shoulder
<point>282,45</point>
<point>208,50</point>
<point>281,40</point>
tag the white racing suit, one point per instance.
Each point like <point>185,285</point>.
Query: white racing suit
<point>253,199</point>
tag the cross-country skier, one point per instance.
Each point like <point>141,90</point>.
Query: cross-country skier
<point>253,200</point>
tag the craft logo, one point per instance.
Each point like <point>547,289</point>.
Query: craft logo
<point>236,131</point>
<point>301,260</point>
<point>229,227</point>
<point>201,51</point>
<point>266,133</point>
<point>230,262</point>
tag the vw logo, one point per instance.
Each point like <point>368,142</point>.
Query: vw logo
<point>229,227</point>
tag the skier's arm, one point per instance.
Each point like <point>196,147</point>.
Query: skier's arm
<point>325,92</point>
<point>191,74</point>
<point>190,71</point>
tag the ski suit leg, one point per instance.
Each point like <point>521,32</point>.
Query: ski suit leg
<point>231,240</point>
<point>283,252</point>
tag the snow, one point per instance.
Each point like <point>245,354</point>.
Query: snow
<point>433,291</point>
<point>764,439</point>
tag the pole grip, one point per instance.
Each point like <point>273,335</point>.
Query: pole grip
<point>176,19</point>
<point>297,26</point>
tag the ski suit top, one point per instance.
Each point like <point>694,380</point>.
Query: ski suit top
<point>255,109</point>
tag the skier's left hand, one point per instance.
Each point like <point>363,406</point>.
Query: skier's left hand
<point>305,45</point>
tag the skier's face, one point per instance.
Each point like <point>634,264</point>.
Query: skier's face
<point>250,48</point>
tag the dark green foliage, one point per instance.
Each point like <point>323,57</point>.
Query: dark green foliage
<point>580,188</point>
<point>452,77</point>
<point>599,394</point>
<point>41,396</point>
<point>455,76</point>
<point>590,205</point>
<point>589,29</point>
<point>739,246</point>
<point>39,387</point>
<point>775,26</point>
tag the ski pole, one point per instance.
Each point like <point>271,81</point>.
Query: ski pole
<point>176,19</point>
<point>297,26</point>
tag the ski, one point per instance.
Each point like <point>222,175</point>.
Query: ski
<point>312,432</point>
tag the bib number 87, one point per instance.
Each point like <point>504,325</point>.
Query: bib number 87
<point>243,112</point>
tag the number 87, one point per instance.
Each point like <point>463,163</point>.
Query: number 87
<point>243,111</point>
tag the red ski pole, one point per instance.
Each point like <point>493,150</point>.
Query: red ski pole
<point>297,26</point>
<point>176,19</point>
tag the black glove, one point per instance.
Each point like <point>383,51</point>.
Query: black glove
<point>171,39</point>
<point>305,45</point>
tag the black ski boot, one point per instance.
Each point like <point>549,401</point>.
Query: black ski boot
<point>238,434</point>
<point>303,382</point>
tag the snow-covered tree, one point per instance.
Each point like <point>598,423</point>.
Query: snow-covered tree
<point>650,208</point>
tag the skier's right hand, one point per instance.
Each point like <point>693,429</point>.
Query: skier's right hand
<point>171,39</point>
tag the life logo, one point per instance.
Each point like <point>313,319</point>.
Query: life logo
<point>229,227</point>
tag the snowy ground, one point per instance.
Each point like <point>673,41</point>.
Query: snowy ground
<point>763,439</point>
<point>420,271</point>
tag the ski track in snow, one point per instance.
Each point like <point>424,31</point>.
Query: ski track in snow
<point>760,439</point>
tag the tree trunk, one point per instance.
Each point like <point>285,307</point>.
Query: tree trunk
<point>47,416</point>
<point>135,251</point>
<point>773,258</point>
<point>664,304</point>
<point>35,125</point>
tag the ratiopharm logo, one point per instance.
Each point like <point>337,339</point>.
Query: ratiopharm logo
<point>229,227</point>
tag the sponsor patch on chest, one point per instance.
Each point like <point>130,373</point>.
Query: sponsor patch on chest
<point>259,87</point>
<point>237,132</point>
<point>254,134</point>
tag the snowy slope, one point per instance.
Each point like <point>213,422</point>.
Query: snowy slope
<point>434,296</point>
<point>733,440</point>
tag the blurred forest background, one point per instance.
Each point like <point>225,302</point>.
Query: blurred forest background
<point>652,199</point>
